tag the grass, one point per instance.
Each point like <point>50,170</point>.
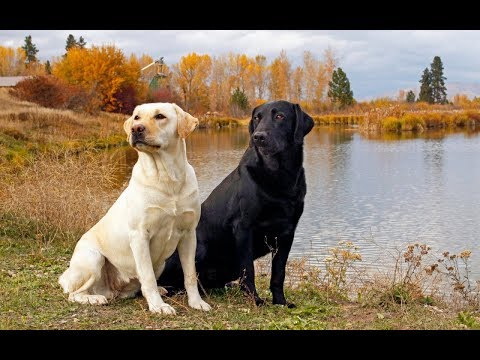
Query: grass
<point>32,299</point>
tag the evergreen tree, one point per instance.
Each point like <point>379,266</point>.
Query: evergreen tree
<point>81,43</point>
<point>71,42</point>
<point>339,89</point>
<point>426,87</point>
<point>410,97</point>
<point>439,91</point>
<point>48,67</point>
<point>239,102</point>
<point>30,50</point>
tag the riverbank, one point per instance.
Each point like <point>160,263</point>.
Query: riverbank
<point>401,118</point>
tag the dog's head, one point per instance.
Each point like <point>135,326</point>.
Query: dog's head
<point>278,124</point>
<point>152,126</point>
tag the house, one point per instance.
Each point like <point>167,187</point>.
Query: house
<point>9,81</point>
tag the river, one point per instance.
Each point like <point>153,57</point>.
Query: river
<point>381,192</point>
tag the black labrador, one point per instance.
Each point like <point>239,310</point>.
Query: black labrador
<point>255,209</point>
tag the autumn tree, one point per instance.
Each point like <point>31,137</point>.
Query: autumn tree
<point>101,70</point>
<point>219,89</point>
<point>279,85</point>
<point>191,75</point>
<point>297,85</point>
<point>260,76</point>
<point>410,97</point>
<point>327,67</point>
<point>437,81</point>
<point>12,61</point>
<point>426,87</point>
<point>339,91</point>
<point>317,75</point>
<point>311,68</point>
<point>30,50</point>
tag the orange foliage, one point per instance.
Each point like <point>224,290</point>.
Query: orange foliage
<point>103,70</point>
<point>279,77</point>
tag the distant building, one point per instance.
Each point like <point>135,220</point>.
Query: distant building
<point>9,81</point>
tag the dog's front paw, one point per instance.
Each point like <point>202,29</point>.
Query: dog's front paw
<point>199,305</point>
<point>259,301</point>
<point>162,309</point>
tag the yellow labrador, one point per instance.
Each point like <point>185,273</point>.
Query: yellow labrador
<point>156,214</point>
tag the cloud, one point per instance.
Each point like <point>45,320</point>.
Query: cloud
<point>377,62</point>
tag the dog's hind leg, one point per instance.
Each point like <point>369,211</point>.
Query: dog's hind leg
<point>83,274</point>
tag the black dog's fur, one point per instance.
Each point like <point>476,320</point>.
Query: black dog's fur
<point>256,208</point>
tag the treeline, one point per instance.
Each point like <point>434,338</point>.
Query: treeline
<point>229,84</point>
<point>104,78</point>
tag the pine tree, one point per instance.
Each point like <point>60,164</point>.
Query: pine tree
<point>30,50</point>
<point>426,87</point>
<point>71,42</point>
<point>410,97</point>
<point>239,102</point>
<point>439,91</point>
<point>81,43</point>
<point>339,89</point>
<point>48,67</point>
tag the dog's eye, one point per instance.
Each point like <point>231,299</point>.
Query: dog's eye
<point>136,117</point>
<point>279,117</point>
<point>257,117</point>
<point>159,116</point>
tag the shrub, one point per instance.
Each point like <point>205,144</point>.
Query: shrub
<point>391,123</point>
<point>412,121</point>
<point>51,92</point>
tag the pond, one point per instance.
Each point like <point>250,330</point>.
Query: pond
<point>381,192</point>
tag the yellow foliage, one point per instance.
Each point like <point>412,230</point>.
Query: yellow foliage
<point>12,61</point>
<point>279,77</point>
<point>190,75</point>
<point>103,70</point>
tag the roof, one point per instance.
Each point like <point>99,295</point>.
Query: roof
<point>11,80</point>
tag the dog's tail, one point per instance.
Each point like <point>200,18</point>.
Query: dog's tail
<point>75,284</point>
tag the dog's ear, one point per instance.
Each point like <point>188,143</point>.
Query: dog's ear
<point>127,125</point>
<point>186,123</point>
<point>251,127</point>
<point>304,123</point>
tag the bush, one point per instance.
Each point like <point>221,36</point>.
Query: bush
<point>51,92</point>
<point>391,123</point>
<point>412,122</point>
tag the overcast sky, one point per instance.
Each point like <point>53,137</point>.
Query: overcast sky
<point>377,62</point>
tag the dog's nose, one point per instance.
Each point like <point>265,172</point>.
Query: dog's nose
<point>138,128</point>
<point>259,136</point>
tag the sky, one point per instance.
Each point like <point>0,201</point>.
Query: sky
<point>377,62</point>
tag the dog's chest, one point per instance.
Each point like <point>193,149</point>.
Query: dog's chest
<point>166,224</point>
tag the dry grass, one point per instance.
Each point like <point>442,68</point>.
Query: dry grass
<point>399,118</point>
<point>27,129</point>
<point>58,195</point>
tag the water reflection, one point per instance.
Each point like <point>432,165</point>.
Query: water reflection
<point>379,191</point>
